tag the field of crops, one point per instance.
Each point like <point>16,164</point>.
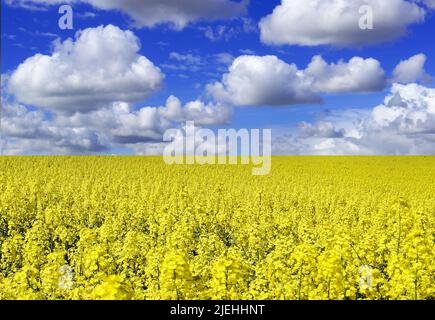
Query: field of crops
<point>135,228</point>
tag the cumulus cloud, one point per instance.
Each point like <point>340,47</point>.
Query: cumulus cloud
<point>336,22</point>
<point>267,80</point>
<point>357,75</point>
<point>117,125</point>
<point>148,13</point>
<point>411,70</point>
<point>403,125</point>
<point>410,109</point>
<point>254,80</point>
<point>30,132</point>
<point>100,66</point>
<point>199,112</point>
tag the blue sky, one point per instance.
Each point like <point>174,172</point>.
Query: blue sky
<point>196,55</point>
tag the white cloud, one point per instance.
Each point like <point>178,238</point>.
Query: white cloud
<point>267,80</point>
<point>100,67</point>
<point>411,70</point>
<point>357,75</point>
<point>336,22</point>
<point>199,112</point>
<point>410,109</point>
<point>404,125</point>
<point>26,131</point>
<point>125,125</point>
<point>148,13</point>
<point>256,81</point>
<point>119,125</point>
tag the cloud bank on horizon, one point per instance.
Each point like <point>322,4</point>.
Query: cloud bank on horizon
<point>88,93</point>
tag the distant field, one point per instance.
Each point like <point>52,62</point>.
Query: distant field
<point>135,228</point>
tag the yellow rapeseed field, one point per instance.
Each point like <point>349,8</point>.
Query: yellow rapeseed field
<point>135,228</point>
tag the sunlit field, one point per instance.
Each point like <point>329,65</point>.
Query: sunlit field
<point>135,228</point>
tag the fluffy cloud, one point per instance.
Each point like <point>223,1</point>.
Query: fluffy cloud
<point>411,70</point>
<point>101,66</point>
<point>254,80</point>
<point>410,109</point>
<point>30,131</point>
<point>148,13</point>
<point>267,80</point>
<point>357,75</point>
<point>336,22</point>
<point>403,124</point>
<point>26,131</point>
<point>199,112</point>
<point>85,92</point>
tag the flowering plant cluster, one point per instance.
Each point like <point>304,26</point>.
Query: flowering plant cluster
<point>134,228</point>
